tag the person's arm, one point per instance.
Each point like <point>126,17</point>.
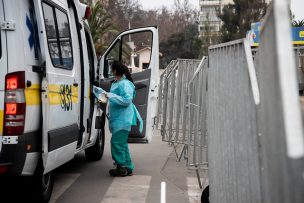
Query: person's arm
<point>126,97</point>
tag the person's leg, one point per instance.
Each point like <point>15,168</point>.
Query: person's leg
<point>118,144</point>
<point>129,163</point>
<point>118,148</point>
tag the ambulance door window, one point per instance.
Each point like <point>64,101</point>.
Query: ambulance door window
<point>113,55</point>
<point>137,51</point>
<point>58,36</point>
<point>64,39</point>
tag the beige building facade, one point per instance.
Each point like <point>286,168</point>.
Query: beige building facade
<point>208,20</point>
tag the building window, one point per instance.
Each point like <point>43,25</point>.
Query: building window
<point>58,37</point>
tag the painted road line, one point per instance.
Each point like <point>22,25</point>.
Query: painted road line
<point>62,183</point>
<point>133,189</point>
<point>163,192</point>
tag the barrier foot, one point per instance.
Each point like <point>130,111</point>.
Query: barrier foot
<point>175,150</point>
<point>198,177</point>
<point>179,157</point>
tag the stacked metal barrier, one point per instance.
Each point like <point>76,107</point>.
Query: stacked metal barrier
<point>240,108</point>
<point>172,105</point>
<point>255,132</point>
<point>182,110</point>
<point>196,116</point>
<point>162,92</point>
<point>280,126</point>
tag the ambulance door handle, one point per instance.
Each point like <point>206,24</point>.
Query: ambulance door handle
<point>75,84</point>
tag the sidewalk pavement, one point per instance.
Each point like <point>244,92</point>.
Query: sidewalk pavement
<point>81,181</point>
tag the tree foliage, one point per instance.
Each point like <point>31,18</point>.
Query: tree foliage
<point>184,44</point>
<point>110,17</point>
<point>298,23</point>
<point>173,24</point>
<point>101,25</point>
<point>238,16</point>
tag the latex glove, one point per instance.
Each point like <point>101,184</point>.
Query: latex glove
<point>97,90</point>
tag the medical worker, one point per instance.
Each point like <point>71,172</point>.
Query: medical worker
<point>122,115</point>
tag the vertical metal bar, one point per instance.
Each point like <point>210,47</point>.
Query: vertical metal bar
<point>160,100</point>
<point>171,103</point>
<point>166,92</point>
<point>198,178</point>
<point>178,98</point>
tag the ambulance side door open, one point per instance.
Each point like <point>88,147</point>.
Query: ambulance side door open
<point>139,50</point>
<point>60,85</point>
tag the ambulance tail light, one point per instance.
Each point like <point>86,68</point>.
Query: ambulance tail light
<point>14,107</point>
<point>88,13</point>
<point>3,169</point>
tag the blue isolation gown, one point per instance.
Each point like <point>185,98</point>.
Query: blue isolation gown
<point>122,112</point>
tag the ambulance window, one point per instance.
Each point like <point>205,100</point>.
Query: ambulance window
<point>58,36</point>
<point>114,54</point>
<point>64,38</point>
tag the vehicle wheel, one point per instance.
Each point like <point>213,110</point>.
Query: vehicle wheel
<point>43,185</point>
<point>95,152</point>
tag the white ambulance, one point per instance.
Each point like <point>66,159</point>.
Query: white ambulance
<point>47,68</point>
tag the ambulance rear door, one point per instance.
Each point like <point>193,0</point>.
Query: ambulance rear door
<point>61,83</point>
<point>3,66</point>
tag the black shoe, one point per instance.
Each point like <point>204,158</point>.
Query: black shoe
<point>129,172</point>
<point>120,171</point>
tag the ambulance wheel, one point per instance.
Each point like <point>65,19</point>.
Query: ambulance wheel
<point>43,184</point>
<point>95,152</point>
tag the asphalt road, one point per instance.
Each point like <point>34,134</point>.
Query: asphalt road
<point>81,181</point>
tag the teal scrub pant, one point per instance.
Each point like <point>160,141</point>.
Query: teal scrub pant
<point>120,150</point>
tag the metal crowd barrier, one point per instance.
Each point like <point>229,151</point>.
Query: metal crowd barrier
<point>237,113</point>
<point>173,99</point>
<point>196,115</point>
<point>255,130</point>
<point>182,110</point>
<point>231,120</point>
<point>280,125</point>
<point>161,93</point>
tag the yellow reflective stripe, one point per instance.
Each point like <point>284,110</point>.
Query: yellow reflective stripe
<point>1,121</point>
<point>33,95</point>
<point>59,93</point>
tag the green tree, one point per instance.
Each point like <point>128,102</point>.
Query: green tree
<point>101,25</point>
<point>298,23</point>
<point>185,44</point>
<point>238,16</point>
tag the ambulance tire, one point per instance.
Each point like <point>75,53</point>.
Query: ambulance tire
<point>43,184</point>
<point>95,153</point>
